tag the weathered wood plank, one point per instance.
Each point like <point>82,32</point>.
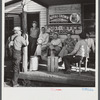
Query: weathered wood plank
<point>72,79</point>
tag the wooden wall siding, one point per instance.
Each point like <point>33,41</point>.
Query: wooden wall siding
<point>14,8</point>
<point>32,7</point>
<point>63,9</point>
<point>16,20</point>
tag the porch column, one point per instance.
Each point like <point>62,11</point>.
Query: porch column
<point>24,28</point>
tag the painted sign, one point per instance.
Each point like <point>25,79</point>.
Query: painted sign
<point>64,29</point>
<point>65,18</point>
<point>65,9</point>
<point>73,18</point>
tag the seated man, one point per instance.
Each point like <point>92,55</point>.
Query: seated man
<point>69,44</point>
<point>90,42</point>
<point>55,45</point>
<point>42,42</point>
<point>81,50</point>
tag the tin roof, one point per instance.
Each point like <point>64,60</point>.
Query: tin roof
<point>48,3</point>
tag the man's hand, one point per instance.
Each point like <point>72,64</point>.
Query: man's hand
<point>39,43</point>
<point>51,47</point>
<point>68,54</point>
<point>48,44</point>
<point>66,46</point>
<point>26,38</point>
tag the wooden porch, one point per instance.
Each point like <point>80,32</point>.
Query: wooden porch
<point>86,79</point>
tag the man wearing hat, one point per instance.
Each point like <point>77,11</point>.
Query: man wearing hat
<point>18,43</point>
<point>55,45</point>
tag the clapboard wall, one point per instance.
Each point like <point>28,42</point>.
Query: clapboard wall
<point>31,7</point>
<point>34,7</point>
<point>14,8</point>
<point>17,20</point>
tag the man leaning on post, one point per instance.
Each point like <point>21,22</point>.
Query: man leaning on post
<point>19,42</point>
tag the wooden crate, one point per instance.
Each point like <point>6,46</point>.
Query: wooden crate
<point>52,64</point>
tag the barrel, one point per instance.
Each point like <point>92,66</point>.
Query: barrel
<point>33,63</point>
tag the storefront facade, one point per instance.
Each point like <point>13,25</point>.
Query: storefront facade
<point>61,18</point>
<point>35,12</point>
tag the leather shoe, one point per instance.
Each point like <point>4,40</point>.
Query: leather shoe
<point>17,85</point>
<point>67,72</point>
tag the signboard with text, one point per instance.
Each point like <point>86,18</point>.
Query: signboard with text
<point>64,29</point>
<point>65,18</point>
<point>73,18</point>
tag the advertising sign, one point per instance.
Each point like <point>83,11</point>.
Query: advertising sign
<point>64,29</point>
<point>73,18</point>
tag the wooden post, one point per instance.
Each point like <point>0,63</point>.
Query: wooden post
<point>49,64</point>
<point>56,64</point>
<point>24,28</point>
<point>52,64</point>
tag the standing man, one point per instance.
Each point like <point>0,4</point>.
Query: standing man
<point>18,43</point>
<point>34,34</point>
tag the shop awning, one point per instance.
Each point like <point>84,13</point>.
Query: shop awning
<point>48,3</point>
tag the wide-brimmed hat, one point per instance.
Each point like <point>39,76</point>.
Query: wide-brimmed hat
<point>17,29</point>
<point>56,33</point>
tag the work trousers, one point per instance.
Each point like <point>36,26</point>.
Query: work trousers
<point>69,59</point>
<point>16,66</point>
<point>65,50</point>
<point>54,49</point>
<point>32,45</point>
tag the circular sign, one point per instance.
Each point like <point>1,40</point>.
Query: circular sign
<point>74,18</point>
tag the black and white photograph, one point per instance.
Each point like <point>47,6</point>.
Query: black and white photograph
<point>50,44</point>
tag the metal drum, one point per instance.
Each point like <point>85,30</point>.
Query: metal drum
<point>33,63</point>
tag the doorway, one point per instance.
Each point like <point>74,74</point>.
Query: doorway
<point>32,17</point>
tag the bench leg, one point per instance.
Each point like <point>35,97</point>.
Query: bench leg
<point>80,67</point>
<point>86,61</point>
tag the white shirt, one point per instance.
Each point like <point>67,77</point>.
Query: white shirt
<point>56,42</point>
<point>44,37</point>
<point>90,43</point>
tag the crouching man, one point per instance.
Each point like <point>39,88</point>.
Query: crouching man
<point>18,43</point>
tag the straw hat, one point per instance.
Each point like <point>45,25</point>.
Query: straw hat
<point>17,29</point>
<point>56,33</point>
